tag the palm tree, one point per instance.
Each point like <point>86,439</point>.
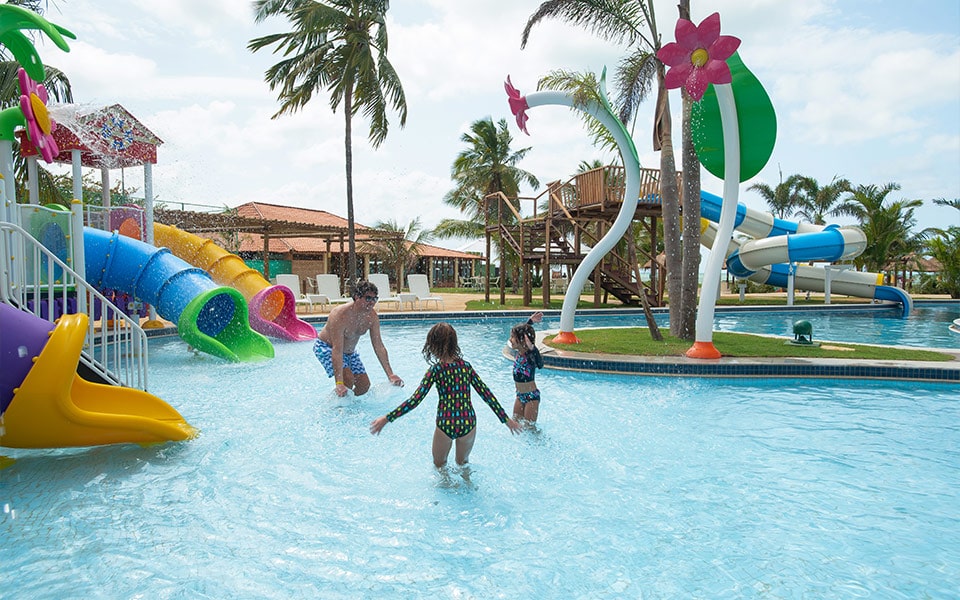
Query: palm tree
<point>488,165</point>
<point>888,227</point>
<point>634,22</point>
<point>945,248</point>
<point>782,199</point>
<point>340,46</point>
<point>589,165</point>
<point>817,203</point>
<point>401,252</point>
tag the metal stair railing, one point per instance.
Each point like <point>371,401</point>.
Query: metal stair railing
<point>35,280</point>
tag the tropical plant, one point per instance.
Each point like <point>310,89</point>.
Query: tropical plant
<point>488,165</point>
<point>589,165</point>
<point>339,46</point>
<point>634,23</point>
<point>888,226</point>
<point>584,88</point>
<point>58,87</point>
<point>401,252</point>
<point>91,189</point>
<point>817,203</point>
<point>944,247</point>
<point>784,198</point>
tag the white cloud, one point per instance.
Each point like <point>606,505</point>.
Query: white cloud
<point>872,96</point>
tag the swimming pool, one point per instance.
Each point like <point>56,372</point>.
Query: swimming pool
<point>634,487</point>
<point>925,327</point>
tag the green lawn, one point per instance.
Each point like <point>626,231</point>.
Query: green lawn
<point>636,340</point>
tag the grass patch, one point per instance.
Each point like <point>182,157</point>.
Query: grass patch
<point>636,340</point>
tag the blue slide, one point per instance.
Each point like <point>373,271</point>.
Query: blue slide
<point>778,243</point>
<point>210,318</point>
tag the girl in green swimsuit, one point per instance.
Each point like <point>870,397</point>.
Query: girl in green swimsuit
<point>453,376</point>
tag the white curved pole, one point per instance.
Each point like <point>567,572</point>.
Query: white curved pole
<point>627,210</point>
<point>703,346</point>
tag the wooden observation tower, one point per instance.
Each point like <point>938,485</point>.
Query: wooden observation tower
<point>552,233</point>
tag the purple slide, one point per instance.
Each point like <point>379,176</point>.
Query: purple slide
<point>22,336</point>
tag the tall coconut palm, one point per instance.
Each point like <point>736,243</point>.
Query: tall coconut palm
<point>488,165</point>
<point>817,203</point>
<point>783,199</point>
<point>634,22</point>
<point>339,46</point>
<point>402,252</point>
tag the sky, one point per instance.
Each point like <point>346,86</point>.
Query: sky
<point>867,90</point>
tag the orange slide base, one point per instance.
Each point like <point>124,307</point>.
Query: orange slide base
<point>703,350</point>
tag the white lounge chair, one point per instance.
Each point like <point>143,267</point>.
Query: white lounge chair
<point>382,281</point>
<point>293,282</point>
<point>421,288</point>
<point>328,286</point>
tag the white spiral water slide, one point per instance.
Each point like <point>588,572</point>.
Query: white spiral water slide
<point>779,244</point>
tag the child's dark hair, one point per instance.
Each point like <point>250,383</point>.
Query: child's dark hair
<point>522,332</point>
<point>441,343</point>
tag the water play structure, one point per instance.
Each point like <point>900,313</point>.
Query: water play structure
<point>272,308</point>
<point>776,245</point>
<point>72,364</point>
<point>45,403</point>
<point>599,108</point>
<point>209,317</point>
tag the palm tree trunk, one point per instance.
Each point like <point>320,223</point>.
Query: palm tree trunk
<point>687,321</point>
<point>348,144</point>
<point>635,265</point>
<point>691,228</point>
<point>670,203</point>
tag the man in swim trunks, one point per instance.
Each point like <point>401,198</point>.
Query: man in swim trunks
<point>336,346</point>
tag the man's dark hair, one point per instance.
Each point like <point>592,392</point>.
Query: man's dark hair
<point>362,287</point>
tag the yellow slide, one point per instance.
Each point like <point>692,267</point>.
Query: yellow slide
<point>273,308</point>
<point>55,408</point>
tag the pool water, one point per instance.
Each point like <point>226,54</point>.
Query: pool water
<point>632,487</point>
<point>926,326</point>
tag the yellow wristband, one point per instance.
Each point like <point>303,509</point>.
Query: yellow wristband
<point>339,383</point>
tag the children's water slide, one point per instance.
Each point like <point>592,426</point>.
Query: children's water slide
<point>778,243</point>
<point>272,308</point>
<point>211,318</point>
<point>45,404</point>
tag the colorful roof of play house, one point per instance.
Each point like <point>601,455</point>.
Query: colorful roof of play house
<point>106,136</point>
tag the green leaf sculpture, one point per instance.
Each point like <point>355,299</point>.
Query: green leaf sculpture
<point>756,121</point>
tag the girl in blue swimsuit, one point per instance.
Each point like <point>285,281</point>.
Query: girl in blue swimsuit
<point>523,339</point>
<point>453,376</point>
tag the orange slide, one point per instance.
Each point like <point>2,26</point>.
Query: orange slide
<point>272,307</point>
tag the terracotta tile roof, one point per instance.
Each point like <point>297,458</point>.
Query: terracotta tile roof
<point>275,212</point>
<point>309,245</point>
<point>310,229</point>
<point>437,252</point>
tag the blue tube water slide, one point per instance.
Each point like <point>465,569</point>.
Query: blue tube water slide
<point>209,317</point>
<point>778,244</point>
